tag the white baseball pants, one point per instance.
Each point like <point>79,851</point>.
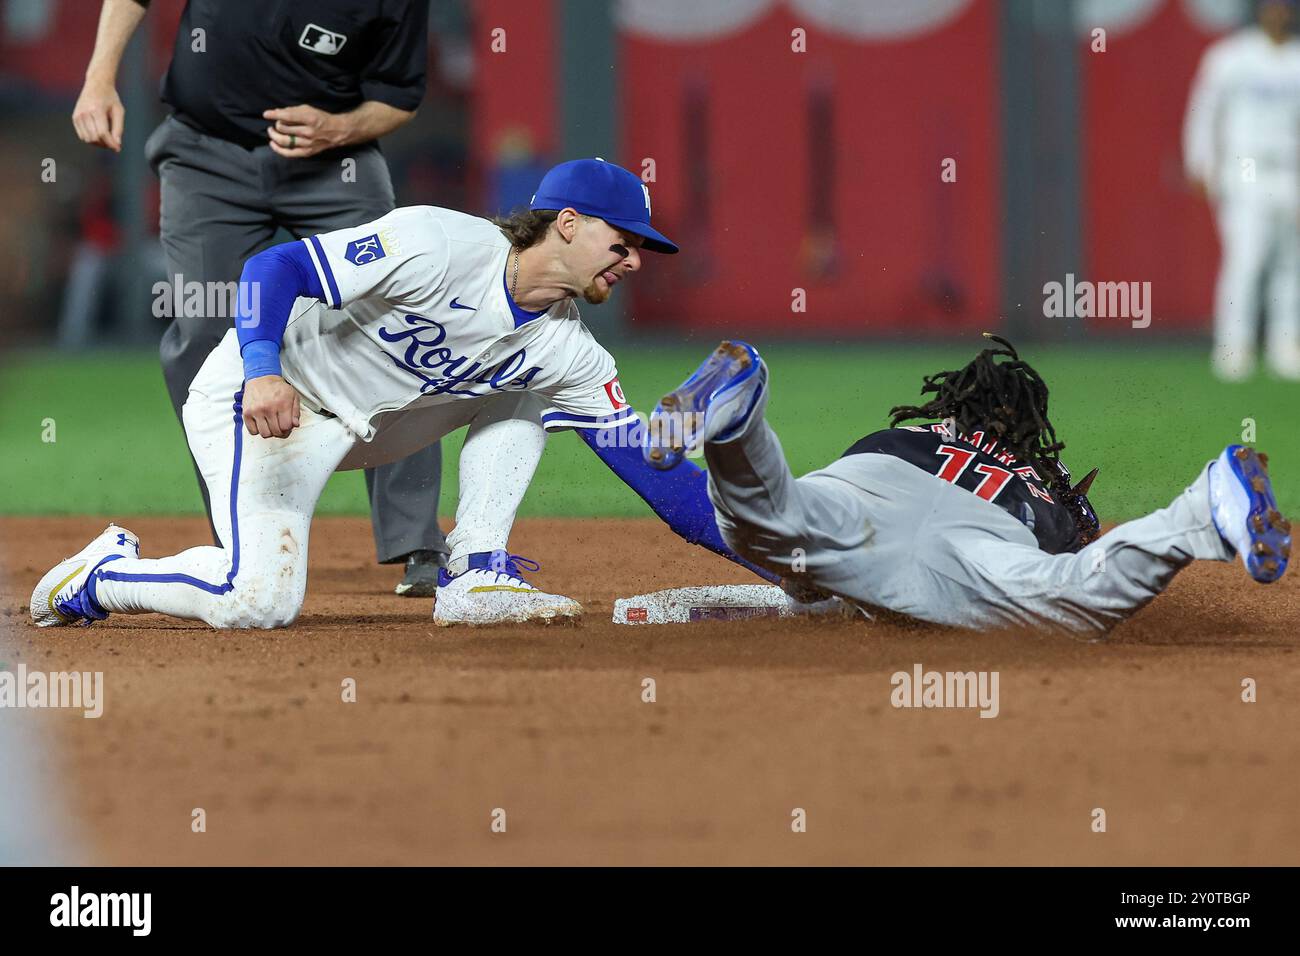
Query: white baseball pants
<point>264,491</point>
<point>1259,230</point>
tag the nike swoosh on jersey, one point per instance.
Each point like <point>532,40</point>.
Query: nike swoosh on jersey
<point>455,304</point>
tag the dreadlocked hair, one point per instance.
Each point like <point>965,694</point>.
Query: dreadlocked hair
<point>1005,400</point>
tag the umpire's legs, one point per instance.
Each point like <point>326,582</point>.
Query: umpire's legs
<point>212,219</point>
<point>321,194</point>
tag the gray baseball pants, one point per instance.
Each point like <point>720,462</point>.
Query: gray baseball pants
<point>221,204</point>
<point>881,532</point>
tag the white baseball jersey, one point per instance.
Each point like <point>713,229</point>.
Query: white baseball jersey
<point>1244,106</point>
<point>417,315</point>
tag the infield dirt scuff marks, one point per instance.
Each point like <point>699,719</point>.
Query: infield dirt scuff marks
<point>751,720</point>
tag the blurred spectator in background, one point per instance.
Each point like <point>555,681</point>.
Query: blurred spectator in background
<point>1241,148</point>
<point>276,113</point>
<point>516,170</point>
<point>89,270</point>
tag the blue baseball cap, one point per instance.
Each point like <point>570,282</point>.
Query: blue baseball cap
<point>607,191</point>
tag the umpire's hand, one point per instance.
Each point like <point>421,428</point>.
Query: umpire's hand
<point>272,408</point>
<point>302,131</point>
<point>99,116</point>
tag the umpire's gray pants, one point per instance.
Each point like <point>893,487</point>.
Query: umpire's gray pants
<point>221,204</point>
<point>880,531</point>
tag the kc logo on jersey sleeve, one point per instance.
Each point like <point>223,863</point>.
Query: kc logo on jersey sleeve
<point>360,252</point>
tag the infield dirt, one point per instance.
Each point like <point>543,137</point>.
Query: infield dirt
<point>752,720</point>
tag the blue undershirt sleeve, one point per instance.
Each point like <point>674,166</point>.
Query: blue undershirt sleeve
<point>271,281</point>
<point>679,496</point>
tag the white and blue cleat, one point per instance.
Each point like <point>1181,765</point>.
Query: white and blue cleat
<point>491,589</point>
<point>66,594</point>
<point>714,404</point>
<point>1245,512</point>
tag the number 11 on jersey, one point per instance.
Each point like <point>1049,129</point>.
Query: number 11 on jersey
<point>994,480</point>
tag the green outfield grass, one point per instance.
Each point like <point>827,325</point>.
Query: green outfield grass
<point>1150,417</point>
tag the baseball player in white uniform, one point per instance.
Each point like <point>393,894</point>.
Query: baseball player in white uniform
<point>1241,148</point>
<point>371,342</point>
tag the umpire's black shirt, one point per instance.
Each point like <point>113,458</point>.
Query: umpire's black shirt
<point>330,54</point>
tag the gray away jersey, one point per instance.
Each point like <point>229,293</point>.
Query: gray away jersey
<point>984,469</point>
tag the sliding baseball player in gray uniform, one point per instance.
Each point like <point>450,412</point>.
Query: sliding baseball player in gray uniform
<point>967,520</point>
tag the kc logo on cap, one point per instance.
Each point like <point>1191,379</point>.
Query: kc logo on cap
<point>607,191</point>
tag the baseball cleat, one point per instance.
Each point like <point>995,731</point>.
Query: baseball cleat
<point>1245,512</point>
<point>714,404</point>
<point>66,595</point>
<point>421,577</point>
<point>492,590</point>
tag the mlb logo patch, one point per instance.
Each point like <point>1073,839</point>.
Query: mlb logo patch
<point>363,251</point>
<point>614,392</point>
<point>319,40</point>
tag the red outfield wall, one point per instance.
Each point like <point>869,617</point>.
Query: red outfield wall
<point>820,171</point>
<point>1141,223</point>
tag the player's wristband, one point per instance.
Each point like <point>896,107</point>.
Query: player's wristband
<point>261,357</point>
